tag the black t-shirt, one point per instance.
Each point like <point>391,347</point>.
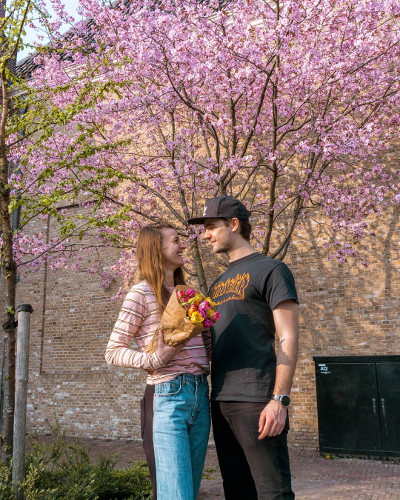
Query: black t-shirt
<point>243,357</point>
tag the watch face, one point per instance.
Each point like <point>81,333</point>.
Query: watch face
<point>285,400</point>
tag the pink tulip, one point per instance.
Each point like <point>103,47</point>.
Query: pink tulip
<point>216,317</point>
<point>205,305</point>
<point>203,312</point>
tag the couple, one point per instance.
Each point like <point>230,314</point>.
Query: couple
<point>256,297</point>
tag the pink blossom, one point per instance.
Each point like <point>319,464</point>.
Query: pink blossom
<point>147,127</point>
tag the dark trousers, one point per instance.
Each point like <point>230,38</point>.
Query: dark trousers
<point>251,469</point>
<point>146,417</point>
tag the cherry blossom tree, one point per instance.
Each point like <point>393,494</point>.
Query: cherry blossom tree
<point>155,106</point>
<point>288,105</point>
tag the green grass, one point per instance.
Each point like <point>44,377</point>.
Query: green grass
<point>210,473</point>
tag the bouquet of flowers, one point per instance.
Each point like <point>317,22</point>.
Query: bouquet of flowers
<point>187,314</point>
<point>198,309</point>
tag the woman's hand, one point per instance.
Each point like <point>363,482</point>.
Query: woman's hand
<point>165,352</point>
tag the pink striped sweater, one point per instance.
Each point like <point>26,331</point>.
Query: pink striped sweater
<point>138,319</point>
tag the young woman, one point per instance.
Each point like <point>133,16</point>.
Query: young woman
<point>177,388</point>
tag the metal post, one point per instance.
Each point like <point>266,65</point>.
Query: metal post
<point>21,388</point>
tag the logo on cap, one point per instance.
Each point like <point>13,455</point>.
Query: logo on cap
<point>205,211</point>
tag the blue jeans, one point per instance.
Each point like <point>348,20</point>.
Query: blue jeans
<point>181,426</point>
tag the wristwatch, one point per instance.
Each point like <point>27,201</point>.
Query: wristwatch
<point>283,399</point>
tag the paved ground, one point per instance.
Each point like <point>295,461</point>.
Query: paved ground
<point>314,477</point>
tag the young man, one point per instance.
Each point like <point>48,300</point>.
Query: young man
<point>256,297</point>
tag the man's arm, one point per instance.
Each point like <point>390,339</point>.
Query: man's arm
<point>286,318</point>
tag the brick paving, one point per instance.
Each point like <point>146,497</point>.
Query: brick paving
<point>314,477</point>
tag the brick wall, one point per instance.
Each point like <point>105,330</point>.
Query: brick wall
<point>69,379</point>
<point>345,309</point>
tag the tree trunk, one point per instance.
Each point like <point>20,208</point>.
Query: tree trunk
<point>201,276</point>
<point>9,269</point>
<point>9,273</point>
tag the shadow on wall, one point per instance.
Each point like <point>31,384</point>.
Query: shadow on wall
<point>346,309</point>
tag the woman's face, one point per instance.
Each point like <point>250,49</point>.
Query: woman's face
<point>171,248</point>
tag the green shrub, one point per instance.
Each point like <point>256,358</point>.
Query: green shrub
<point>65,472</point>
<point>6,492</point>
<point>132,483</point>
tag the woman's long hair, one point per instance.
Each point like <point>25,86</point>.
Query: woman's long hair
<point>150,262</point>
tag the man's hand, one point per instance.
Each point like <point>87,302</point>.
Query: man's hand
<point>272,420</point>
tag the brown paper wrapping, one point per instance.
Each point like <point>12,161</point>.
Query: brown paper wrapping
<point>174,324</point>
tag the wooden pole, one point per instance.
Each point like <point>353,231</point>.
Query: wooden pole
<point>21,389</point>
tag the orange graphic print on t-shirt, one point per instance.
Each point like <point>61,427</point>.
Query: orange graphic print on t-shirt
<point>231,289</point>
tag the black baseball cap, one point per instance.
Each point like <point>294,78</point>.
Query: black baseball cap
<point>222,207</point>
